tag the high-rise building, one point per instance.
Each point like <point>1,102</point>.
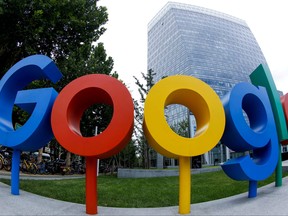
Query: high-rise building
<point>215,47</point>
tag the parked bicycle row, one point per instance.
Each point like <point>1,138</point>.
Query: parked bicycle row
<point>5,159</point>
<point>30,165</point>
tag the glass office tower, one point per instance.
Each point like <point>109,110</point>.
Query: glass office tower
<point>215,47</point>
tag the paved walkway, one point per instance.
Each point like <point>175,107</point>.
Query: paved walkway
<point>270,201</point>
<point>7,175</point>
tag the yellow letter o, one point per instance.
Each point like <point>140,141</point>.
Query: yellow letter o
<point>204,103</point>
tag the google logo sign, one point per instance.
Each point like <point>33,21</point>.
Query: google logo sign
<point>59,115</point>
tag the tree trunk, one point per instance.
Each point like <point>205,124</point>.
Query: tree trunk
<point>113,167</point>
<point>68,159</point>
<point>147,157</point>
<point>39,157</point>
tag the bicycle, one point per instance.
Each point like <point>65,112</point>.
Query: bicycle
<point>7,164</point>
<point>5,160</point>
<point>67,170</point>
<point>1,162</point>
<point>28,166</point>
<point>78,167</point>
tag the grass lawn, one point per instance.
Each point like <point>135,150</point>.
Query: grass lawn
<point>143,192</point>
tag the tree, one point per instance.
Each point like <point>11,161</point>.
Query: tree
<point>88,59</point>
<point>49,27</point>
<point>65,31</point>
<point>127,157</point>
<point>181,128</point>
<point>143,89</point>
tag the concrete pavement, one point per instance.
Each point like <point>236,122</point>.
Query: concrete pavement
<point>269,201</point>
<point>7,175</point>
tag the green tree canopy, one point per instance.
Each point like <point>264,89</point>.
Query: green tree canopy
<point>66,31</point>
<point>50,27</point>
<point>143,89</point>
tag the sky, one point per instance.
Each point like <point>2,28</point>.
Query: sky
<point>125,39</point>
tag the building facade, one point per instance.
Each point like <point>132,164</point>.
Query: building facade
<point>215,47</point>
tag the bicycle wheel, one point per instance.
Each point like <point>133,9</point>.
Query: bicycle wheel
<point>33,168</point>
<point>72,171</point>
<point>7,164</point>
<point>1,163</point>
<point>23,167</point>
